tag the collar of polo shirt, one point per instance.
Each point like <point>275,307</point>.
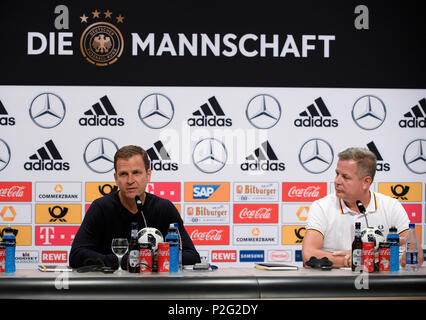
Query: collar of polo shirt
<point>371,208</point>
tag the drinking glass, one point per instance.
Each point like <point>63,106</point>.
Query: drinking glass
<point>119,247</point>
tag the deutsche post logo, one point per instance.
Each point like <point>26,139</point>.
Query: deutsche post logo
<point>101,42</point>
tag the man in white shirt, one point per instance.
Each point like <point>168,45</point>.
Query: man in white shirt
<point>331,221</point>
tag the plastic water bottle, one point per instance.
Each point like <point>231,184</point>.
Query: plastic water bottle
<point>9,239</point>
<point>172,238</point>
<point>180,246</point>
<point>411,262</point>
<point>393,239</point>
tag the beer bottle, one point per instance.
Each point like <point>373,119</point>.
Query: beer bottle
<point>134,250</point>
<point>357,248</point>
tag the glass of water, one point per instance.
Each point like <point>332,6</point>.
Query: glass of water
<point>119,246</point>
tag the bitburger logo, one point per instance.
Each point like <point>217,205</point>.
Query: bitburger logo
<point>101,43</point>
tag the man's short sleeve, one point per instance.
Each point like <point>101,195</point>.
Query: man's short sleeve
<point>316,219</point>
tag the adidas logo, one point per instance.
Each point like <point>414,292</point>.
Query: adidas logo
<point>263,159</point>
<point>210,115</point>
<point>160,159</point>
<point>381,166</point>
<point>316,115</point>
<point>4,119</point>
<point>417,116</point>
<point>47,158</point>
<point>98,116</point>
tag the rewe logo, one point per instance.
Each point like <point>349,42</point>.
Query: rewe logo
<point>381,165</point>
<point>47,158</point>
<point>210,115</point>
<point>160,159</point>
<point>417,116</point>
<point>263,159</point>
<point>98,116</point>
<point>316,115</point>
<point>5,120</point>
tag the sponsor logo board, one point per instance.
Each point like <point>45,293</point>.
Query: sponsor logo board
<point>207,191</point>
<point>402,191</point>
<point>58,192</point>
<point>24,236</point>
<point>207,213</point>
<point>256,191</point>
<point>58,213</point>
<point>15,213</point>
<point>303,191</point>
<point>209,235</point>
<point>15,191</point>
<point>255,235</point>
<point>256,213</point>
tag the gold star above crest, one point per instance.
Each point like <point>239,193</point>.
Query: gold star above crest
<point>96,13</point>
<point>84,18</point>
<point>108,14</point>
<point>120,18</point>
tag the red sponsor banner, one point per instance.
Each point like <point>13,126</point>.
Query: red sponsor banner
<point>224,256</point>
<point>54,256</point>
<point>55,235</point>
<point>209,235</point>
<point>414,212</point>
<point>167,190</point>
<point>303,191</point>
<point>256,213</point>
<point>15,191</point>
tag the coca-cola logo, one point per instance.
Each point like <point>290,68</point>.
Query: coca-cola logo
<point>304,192</point>
<point>254,213</point>
<point>261,213</point>
<point>299,191</point>
<point>212,235</point>
<point>15,191</point>
<point>209,235</point>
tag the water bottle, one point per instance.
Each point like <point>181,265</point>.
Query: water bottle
<point>9,239</point>
<point>411,262</point>
<point>172,238</point>
<point>180,246</point>
<point>393,239</point>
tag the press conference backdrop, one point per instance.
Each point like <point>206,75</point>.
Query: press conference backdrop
<point>242,111</point>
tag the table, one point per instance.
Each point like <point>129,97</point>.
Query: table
<point>225,283</point>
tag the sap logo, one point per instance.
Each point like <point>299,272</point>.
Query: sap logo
<point>204,191</point>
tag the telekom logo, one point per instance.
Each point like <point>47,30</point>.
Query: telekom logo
<point>302,191</point>
<point>55,236</point>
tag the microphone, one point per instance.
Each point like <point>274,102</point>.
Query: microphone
<point>362,210</point>
<point>140,208</point>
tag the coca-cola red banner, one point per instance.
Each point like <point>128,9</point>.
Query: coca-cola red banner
<point>256,213</point>
<point>15,191</point>
<point>303,191</point>
<point>209,235</point>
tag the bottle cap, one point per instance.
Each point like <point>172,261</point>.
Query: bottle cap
<point>393,229</point>
<point>412,225</point>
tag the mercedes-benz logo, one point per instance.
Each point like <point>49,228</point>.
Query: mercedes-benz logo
<point>99,155</point>
<point>369,112</point>
<point>209,155</point>
<point>156,111</point>
<point>47,110</point>
<point>4,154</point>
<point>263,111</point>
<point>316,155</point>
<point>415,156</point>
